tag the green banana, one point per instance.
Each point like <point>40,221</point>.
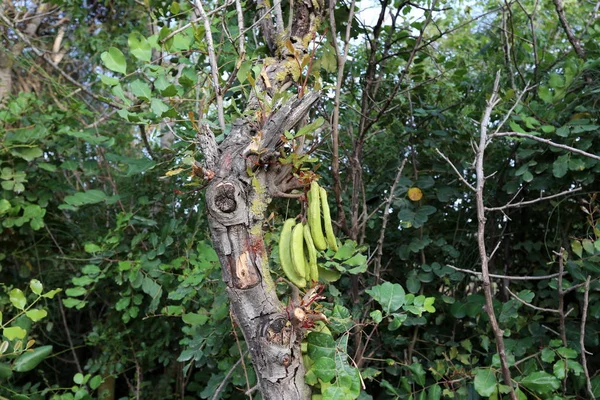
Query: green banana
<point>297,245</point>
<point>285,254</point>
<point>312,255</point>
<point>327,221</point>
<point>314,216</point>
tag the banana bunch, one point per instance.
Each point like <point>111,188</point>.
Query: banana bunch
<point>299,243</point>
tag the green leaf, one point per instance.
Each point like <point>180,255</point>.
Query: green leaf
<point>141,89</point>
<point>588,246</point>
<point>244,70</point>
<point>541,382</point>
<point>566,352</point>
<point>90,197</point>
<point>78,378</point>
<point>95,382</point>
<point>92,248</point>
<point>31,359</point>
<point>545,94</point>
<point>14,332</point>
<point>418,373</point>
<point>320,345</point>
<point>194,318</point>
<point>560,166</point>
<point>4,206</point>
<point>76,291</point>
<point>17,298</point>
<point>50,294</point>
<point>485,381</point>
<point>560,369</point>
<point>150,287</point>
<point>114,60</point>
<point>548,355</point>
<point>158,107</point>
<point>36,286</point>
<point>324,368</point>
<point>36,314</point>
<point>434,393</point>
<point>27,153</point>
<point>376,316</point>
<point>577,248</point>
<point>139,46</point>
<point>391,296</point>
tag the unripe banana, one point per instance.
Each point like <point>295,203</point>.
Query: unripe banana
<point>314,216</point>
<point>312,255</point>
<point>327,221</point>
<point>285,254</point>
<point>298,252</point>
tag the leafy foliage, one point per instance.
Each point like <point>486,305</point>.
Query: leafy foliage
<point>100,196</point>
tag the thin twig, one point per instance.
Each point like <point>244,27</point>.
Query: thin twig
<point>561,298</point>
<point>514,296</point>
<point>567,28</point>
<point>458,174</point>
<point>509,277</point>
<point>525,203</point>
<point>546,141</point>
<point>586,299</point>
<point>214,69</point>
<point>227,376</point>
<point>341,62</point>
<point>386,216</point>
<point>196,20</point>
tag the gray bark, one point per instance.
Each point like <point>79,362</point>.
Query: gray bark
<point>245,177</point>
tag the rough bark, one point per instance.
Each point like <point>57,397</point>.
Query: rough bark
<point>246,177</point>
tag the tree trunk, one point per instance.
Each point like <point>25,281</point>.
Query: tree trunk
<point>245,177</point>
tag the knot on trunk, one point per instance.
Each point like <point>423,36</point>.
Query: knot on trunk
<point>225,198</point>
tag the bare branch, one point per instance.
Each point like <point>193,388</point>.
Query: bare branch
<point>214,69</point>
<point>386,216</point>
<point>567,28</point>
<point>485,273</point>
<point>545,141</point>
<point>528,202</point>
<point>341,62</point>
<point>512,278</point>
<point>586,300</point>
<point>458,174</point>
<point>196,20</point>
<point>227,376</point>
<point>514,296</point>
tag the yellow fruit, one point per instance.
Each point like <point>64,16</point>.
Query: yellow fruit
<point>415,194</point>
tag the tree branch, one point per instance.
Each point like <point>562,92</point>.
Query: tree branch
<point>528,202</point>
<point>479,168</point>
<point>509,277</point>
<point>545,141</point>
<point>214,69</point>
<point>567,28</point>
<point>458,174</point>
<point>586,300</point>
